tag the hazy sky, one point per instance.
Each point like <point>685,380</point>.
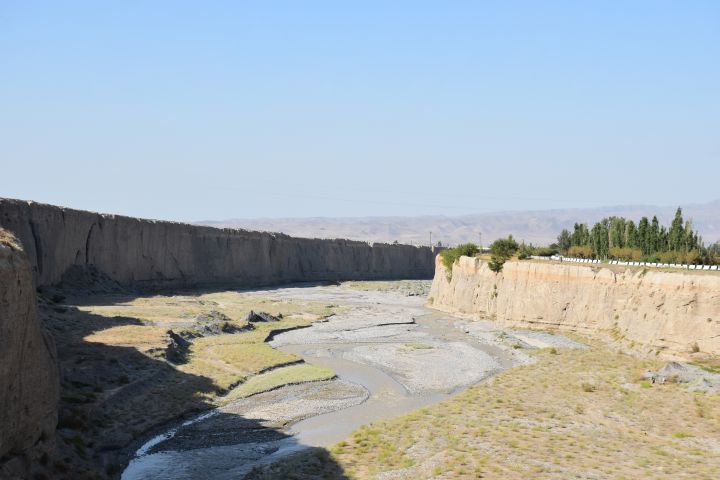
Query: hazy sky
<point>202,110</point>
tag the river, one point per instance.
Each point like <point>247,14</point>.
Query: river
<point>392,355</point>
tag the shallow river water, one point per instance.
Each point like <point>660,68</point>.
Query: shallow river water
<point>391,354</point>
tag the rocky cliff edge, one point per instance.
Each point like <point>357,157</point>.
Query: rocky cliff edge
<point>29,383</point>
<point>672,312</point>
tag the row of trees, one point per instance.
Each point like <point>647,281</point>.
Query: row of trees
<point>622,239</point>
<point>611,238</point>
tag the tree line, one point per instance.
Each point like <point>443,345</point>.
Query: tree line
<point>614,238</point>
<point>621,239</point>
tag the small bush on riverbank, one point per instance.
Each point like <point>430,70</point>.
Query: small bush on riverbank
<point>500,251</point>
<point>451,255</point>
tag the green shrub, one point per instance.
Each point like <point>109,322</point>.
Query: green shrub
<point>525,251</point>
<point>581,252</point>
<point>500,251</point>
<point>545,251</point>
<point>626,253</point>
<point>496,264</point>
<point>451,255</point>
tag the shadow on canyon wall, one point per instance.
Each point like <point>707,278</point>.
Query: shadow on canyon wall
<point>115,397</point>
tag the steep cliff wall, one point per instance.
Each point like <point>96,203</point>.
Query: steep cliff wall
<point>677,312</point>
<point>29,382</point>
<point>139,252</point>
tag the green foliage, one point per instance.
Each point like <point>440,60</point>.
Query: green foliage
<point>495,264</point>
<point>580,236</point>
<point>580,251</point>
<point>564,240</point>
<point>619,238</point>
<point>504,247</point>
<point>524,251</point>
<point>625,253</point>
<point>600,239</point>
<point>546,251</point>
<point>711,255</point>
<point>500,251</point>
<point>451,255</point>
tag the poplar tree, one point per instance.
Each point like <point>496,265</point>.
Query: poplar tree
<point>677,234</point>
<point>599,239</point>
<point>564,240</point>
<point>648,236</point>
<point>644,235</point>
<point>631,235</point>
<point>654,242</point>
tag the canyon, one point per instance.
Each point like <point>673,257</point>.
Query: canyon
<point>70,257</point>
<point>72,246</point>
<point>128,340</point>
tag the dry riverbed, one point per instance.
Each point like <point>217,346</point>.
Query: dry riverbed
<point>133,365</point>
<point>361,380</point>
<point>388,355</point>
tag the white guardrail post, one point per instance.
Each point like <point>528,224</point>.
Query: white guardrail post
<point>629,263</point>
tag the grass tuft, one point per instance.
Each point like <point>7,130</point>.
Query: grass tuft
<point>291,375</point>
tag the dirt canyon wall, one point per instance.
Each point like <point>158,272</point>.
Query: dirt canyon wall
<point>135,252</point>
<point>678,313</point>
<point>29,387</point>
<point>44,245</point>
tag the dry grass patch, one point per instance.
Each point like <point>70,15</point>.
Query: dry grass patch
<point>231,363</point>
<point>580,413</point>
<point>291,375</point>
<point>403,287</point>
<point>144,338</point>
<point>170,310</point>
<point>418,346</point>
<point>382,285</point>
<point>9,240</point>
<point>228,359</point>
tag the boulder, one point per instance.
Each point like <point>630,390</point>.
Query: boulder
<point>177,349</point>
<point>216,323</point>
<point>254,317</point>
<point>695,377</point>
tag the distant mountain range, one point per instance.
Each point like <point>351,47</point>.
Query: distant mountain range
<point>539,227</point>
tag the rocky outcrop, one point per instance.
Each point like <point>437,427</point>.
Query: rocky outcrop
<point>254,317</point>
<point>62,243</point>
<point>671,311</point>
<point>29,383</point>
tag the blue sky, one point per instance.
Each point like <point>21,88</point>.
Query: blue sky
<point>209,110</point>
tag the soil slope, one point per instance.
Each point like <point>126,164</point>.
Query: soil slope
<point>28,368</point>
<point>678,313</point>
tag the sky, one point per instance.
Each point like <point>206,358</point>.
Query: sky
<point>211,110</point>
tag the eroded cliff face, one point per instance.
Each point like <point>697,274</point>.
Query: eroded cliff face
<point>672,311</point>
<point>135,252</point>
<point>29,384</point>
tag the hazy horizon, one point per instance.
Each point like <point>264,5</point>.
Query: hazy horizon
<point>487,212</point>
<point>539,227</point>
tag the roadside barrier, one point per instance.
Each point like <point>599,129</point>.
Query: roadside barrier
<point>560,258</point>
